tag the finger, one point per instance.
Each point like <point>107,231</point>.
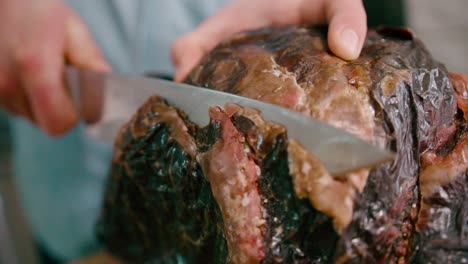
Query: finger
<point>15,108</point>
<point>80,47</point>
<point>12,97</point>
<point>185,54</point>
<point>347,27</point>
<point>464,78</point>
<point>50,104</point>
<point>460,83</point>
<point>39,67</point>
<point>459,76</point>
<point>41,78</point>
<point>82,51</point>
<point>19,105</point>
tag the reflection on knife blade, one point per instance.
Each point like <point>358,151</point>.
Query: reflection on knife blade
<point>122,95</point>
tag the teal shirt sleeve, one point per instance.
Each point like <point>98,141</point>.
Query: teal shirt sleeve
<point>60,182</point>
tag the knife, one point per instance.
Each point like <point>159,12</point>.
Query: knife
<point>116,98</point>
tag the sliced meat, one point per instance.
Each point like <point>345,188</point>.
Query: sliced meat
<point>231,170</point>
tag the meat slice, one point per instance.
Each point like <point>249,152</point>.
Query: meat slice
<point>233,175</point>
<point>238,191</point>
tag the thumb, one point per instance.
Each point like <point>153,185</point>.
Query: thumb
<point>347,27</point>
<point>80,48</point>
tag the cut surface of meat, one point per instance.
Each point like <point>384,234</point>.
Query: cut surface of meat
<point>233,176</point>
<point>239,191</point>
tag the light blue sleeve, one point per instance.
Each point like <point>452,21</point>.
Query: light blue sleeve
<point>61,181</point>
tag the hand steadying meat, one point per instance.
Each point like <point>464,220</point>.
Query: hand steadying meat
<point>36,39</point>
<point>346,19</point>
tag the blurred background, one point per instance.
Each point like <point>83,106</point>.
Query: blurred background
<point>442,26</point>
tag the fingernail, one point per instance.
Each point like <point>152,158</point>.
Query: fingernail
<point>351,42</point>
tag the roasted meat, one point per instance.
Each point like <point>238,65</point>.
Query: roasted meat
<point>238,191</point>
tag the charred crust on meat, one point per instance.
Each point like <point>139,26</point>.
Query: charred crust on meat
<point>164,198</point>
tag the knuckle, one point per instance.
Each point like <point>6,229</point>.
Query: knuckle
<point>7,84</point>
<point>59,129</point>
<point>29,60</point>
<point>3,82</point>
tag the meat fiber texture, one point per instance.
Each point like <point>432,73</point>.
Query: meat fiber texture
<point>238,191</point>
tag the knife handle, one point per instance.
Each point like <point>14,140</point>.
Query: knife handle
<point>87,92</point>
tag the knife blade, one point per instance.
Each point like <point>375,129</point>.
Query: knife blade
<point>118,96</point>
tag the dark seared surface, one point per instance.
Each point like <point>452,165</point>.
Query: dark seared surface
<point>159,206</point>
<point>295,231</point>
<point>395,96</point>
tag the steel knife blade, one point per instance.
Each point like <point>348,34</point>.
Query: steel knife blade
<point>118,96</point>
